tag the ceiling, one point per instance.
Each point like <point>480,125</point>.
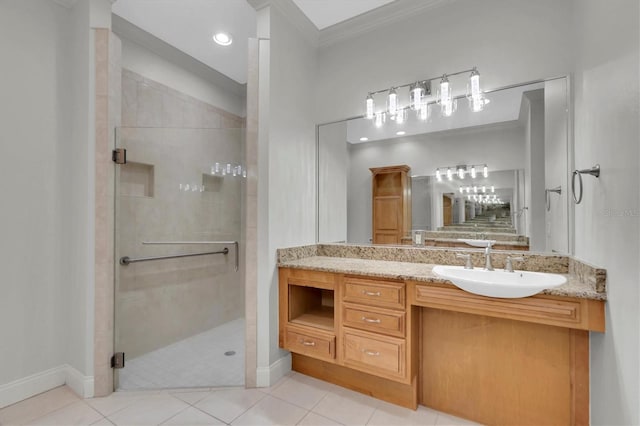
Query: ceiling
<point>189,26</point>
<point>325,13</point>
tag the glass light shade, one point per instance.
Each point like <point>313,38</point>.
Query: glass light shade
<point>474,82</point>
<point>438,176</point>
<point>473,172</point>
<point>380,119</point>
<point>416,94</point>
<point>484,189</point>
<point>401,116</point>
<point>449,174</point>
<point>475,189</point>
<point>461,173</point>
<point>468,189</point>
<point>423,113</point>
<point>485,171</point>
<point>392,103</point>
<point>493,189</point>
<point>461,189</point>
<point>370,106</point>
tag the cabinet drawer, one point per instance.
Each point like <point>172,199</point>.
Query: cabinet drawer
<point>374,320</point>
<point>377,355</point>
<point>386,294</point>
<point>311,344</point>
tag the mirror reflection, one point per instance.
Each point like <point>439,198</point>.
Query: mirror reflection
<point>498,175</point>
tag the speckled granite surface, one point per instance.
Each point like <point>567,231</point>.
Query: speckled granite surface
<point>467,234</point>
<point>416,263</point>
<point>417,272</point>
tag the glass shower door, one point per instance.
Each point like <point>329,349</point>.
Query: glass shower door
<point>179,297</point>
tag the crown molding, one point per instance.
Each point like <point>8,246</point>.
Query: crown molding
<point>294,15</point>
<point>376,18</point>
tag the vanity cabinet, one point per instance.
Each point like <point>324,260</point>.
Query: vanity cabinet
<point>391,204</point>
<point>512,361</point>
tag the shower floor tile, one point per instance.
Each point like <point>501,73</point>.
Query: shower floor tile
<point>198,361</point>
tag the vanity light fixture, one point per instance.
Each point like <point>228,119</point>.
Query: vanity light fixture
<point>484,189</point>
<point>370,104</point>
<point>468,189</point>
<point>222,38</point>
<point>485,171</point>
<point>438,176</point>
<point>449,174</point>
<point>418,92</point>
<point>493,189</point>
<point>461,189</point>
<point>461,171</point>
<point>475,189</point>
<point>228,169</point>
<point>473,172</point>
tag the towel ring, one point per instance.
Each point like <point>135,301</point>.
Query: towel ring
<point>557,190</point>
<point>594,171</point>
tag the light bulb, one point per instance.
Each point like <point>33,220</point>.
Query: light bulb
<point>392,103</point>
<point>370,105</point>
<point>380,118</point>
<point>438,177</point>
<point>473,172</point>
<point>416,93</point>
<point>474,81</point>
<point>485,171</point>
<point>424,111</point>
<point>449,174</point>
<point>460,172</point>
<point>493,189</point>
<point>445,90</point>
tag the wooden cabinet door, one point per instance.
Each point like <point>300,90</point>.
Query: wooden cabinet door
<point>387,220</point>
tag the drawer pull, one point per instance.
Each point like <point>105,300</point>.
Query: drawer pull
<point>371,353</point>
<point>371,320</point>
<point>307,343</point>
<point>371,293</point>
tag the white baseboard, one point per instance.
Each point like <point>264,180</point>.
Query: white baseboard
<point>268,376</point>
<point>32,385</point>
<point>81,384</point>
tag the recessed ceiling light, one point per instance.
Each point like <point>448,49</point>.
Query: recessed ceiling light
<point>364,139</point>
<point>223,39</point>
<point>400,133</point>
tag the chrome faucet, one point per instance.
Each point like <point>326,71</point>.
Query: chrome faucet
<point>509,263</point>
<point>467,257</point>
<point>487,253</point>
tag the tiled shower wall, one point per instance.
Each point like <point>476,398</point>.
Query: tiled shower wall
<point>173,139</point>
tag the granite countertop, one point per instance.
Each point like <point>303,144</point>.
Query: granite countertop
<point>423,272</point>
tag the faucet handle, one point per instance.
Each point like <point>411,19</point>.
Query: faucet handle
<point>467,257</point>
<point>509,262</point>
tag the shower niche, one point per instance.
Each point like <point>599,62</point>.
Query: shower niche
<point>137,180</point>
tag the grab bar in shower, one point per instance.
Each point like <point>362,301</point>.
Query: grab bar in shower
<point>235,244</point>
<point>126,260</point>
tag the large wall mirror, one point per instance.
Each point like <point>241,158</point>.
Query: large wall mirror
<point>496,175</point>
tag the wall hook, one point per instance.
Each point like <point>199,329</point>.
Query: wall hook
<point>556,190</point>
<point>594,171</point>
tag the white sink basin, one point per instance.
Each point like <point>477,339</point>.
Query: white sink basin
<point>477,243</point>
<point>499,283</point>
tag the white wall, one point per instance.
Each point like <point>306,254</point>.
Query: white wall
<point>286,163</point>
<point>142,61</point>
<point>500,149</point>
<point>333,163</point>
<point>34,110</point>
<point>607,222</point>
<point>534,170</point>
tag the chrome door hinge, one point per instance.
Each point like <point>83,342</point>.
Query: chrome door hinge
<point>119,156</point>
<point>117,360</point>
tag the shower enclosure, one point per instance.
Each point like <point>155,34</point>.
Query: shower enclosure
<point>179,293</point>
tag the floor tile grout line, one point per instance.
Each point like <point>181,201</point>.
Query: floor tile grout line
<point>211,415</point>
<point>249,408</point>
<point>52,411</point>
<point>296,405</point>
<point>179,412</point>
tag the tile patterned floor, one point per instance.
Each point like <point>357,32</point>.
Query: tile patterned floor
<point>198,361</point>
<point>295,400</point>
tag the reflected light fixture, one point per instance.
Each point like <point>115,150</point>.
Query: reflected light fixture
<point>222,38</point>
<point>485,171</point>
<point>461,189</point>
<point>416,95</point>
<point>401,115</point>
<point>423,113</point>
<point>475,189</point>
<point>364,139</point>
<point>473,172</point>
<point>438,176</point>
<point>461,171</point>
<point>380,119</point>
<point>449,174</point>
<point>370,106</point>
<point>493,189</point>
<point>484,188</point>
<point>401,133</point>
